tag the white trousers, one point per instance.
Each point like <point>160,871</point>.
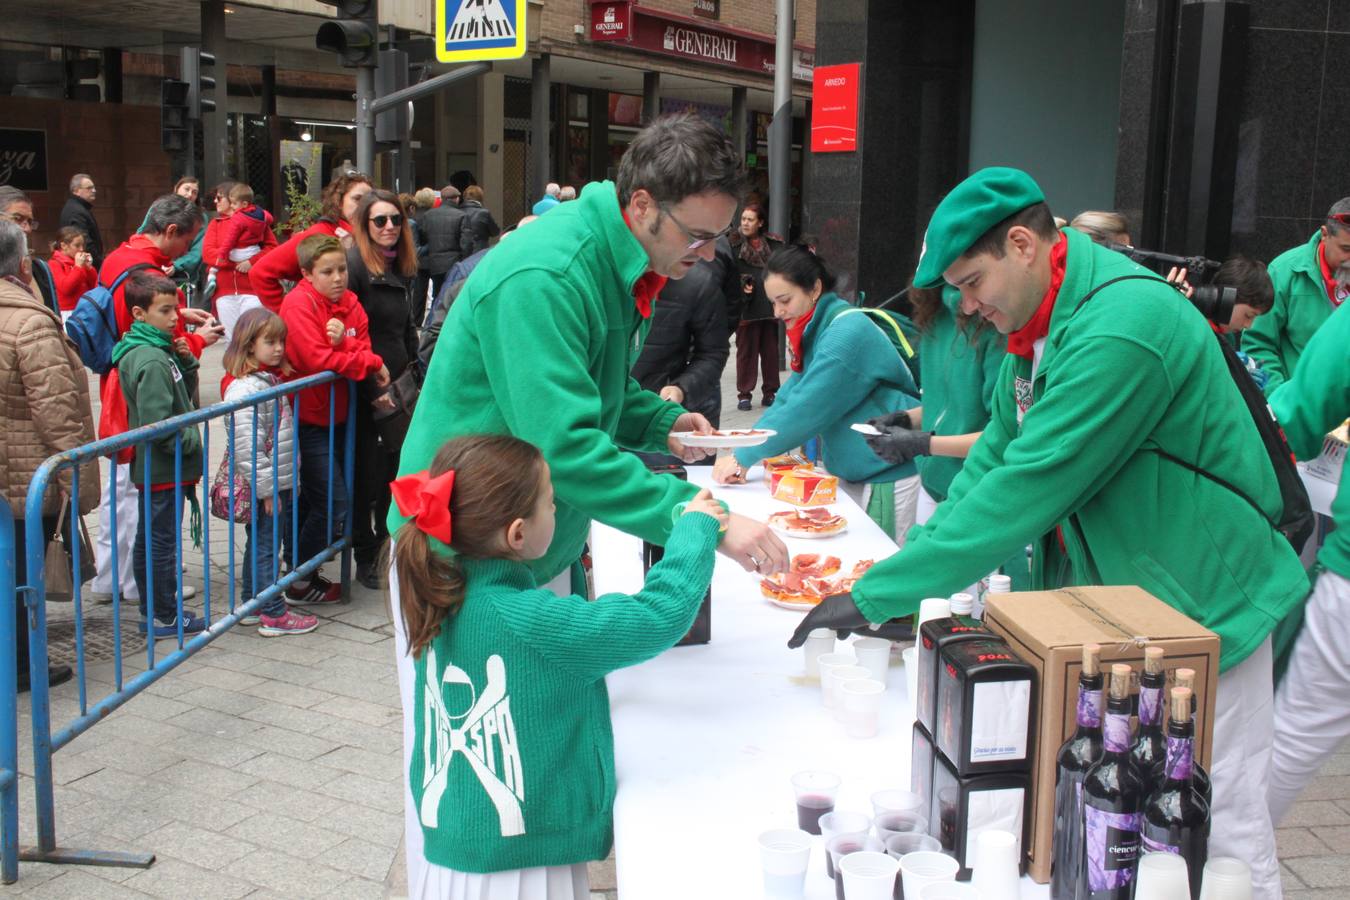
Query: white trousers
<point>1244,719</point>
<point>127,518</point>
<point>926,506</point>
<point>428,881</point>
<point>1312,707</point>
<point>906,499</point>
<point>230,307</point>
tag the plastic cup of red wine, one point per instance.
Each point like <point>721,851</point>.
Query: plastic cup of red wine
<point>784,854</point>
<point>815,797</point>
<point>892,823</point>
<point>840,822</point>
<point>898,845</point>
<point>841,845</point>
<point>896,800</point>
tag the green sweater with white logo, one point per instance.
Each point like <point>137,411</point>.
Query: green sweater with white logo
<point>540,344</point>
<point>1277,338</point>
<point>513,752</point>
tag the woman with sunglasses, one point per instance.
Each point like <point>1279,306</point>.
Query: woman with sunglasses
<point>382,272</point>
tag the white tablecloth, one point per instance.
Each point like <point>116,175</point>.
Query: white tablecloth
<point>707,738</point>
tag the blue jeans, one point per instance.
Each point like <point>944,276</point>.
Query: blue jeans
<point>266,555</point>
<point>319,479</point>
<point>165,531</point>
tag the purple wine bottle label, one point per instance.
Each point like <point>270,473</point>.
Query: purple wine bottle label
<point>1116,733</point>
<point>1150,705</point>
<point>1152,846</point>
<point>1180,762</point>
<point>1112,847</point>
<point>1090,708</point>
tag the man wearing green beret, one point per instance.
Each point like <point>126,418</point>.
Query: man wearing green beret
<point>1119,447</point>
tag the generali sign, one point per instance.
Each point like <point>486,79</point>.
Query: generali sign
<point>654,31</point>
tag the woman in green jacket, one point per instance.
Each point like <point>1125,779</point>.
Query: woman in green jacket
<point>844,371</point>
<point>187,269</point>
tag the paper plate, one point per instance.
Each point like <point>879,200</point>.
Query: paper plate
<point>808,535</point>
<point>794,607</point>
<point>866,428</point>
<point>729,437</point>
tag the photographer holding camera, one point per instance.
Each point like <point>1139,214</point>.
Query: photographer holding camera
<point>1306,293</point>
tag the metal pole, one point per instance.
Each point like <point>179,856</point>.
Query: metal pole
<point>739,123</point>
<point>216,125</point>
<point>425,88</point>
<point>9,722</point>
<point>365,120</point>
<point>780,133</point>
<point>540,137</point>
<point>651,96</point>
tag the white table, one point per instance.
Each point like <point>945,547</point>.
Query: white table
<point>708,737</point>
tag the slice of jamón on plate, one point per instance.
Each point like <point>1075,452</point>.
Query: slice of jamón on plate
<point>814,522</point>
<point>811,579</point>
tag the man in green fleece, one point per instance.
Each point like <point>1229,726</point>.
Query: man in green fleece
<point>543,336</point>
<point>1312,716</point>
<point>1306,293</point>
<point>1113,421</point>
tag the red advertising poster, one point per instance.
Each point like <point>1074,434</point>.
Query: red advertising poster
<point>612,21</point>
<point>834,108</point>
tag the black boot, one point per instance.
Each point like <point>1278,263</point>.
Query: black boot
<point>368,576</point>
<point>55,675</point>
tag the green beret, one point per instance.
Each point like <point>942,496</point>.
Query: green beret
<point>972,208</point>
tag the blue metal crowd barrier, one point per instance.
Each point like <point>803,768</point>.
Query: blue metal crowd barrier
<point>45,743</point>
<point>9,705</point>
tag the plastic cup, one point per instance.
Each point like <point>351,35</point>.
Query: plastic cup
<point>818,643</point>
<point>898,845</point>
<point>926,867</point>
<point>842,844</point>
<point>996,866</point>
<point>839,675</point>
<point>910,657</point>
<point>815,797</point>
<point>861,702</point>
<point>855,824</point>
<point>868,875</point>
<point>826,663</point>
<point>893,823</point>
<point>874,655</point>
<point>896,800</point>
<point>1226,878</point>
<point>949,890</point>
<point>1161,876</point>
<point>784,854</point>
<point>932,608</point>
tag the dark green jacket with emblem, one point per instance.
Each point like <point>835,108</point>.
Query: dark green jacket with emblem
<point>539,344</point>
<point>1134,371</point>
<point>1277,338</point>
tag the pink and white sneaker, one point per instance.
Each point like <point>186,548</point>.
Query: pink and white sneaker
<point>290,622</point>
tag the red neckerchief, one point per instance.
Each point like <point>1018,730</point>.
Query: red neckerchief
<point>795,333</point>
<point>648,285</point>
<point>1023,341</point>
<point>1328,277</point>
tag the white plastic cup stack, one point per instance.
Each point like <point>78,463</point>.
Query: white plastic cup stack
<point>1226,878</point>
<point>874,655</point>
<point>949,890</point>
<point>868,875</point>
<point>932,608</point>
<point>839,675</point>
<point>826,662</point>
<point>860,700</point>
<point>995,874</point>
<point>818,643</point>
<point>1162,876</point>
<point>918,870</point>
<point>910,657</point>
<point>784,853</point>
<point>841,822</point>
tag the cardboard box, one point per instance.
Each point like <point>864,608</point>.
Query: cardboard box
<point>806,487</point>
<point>1327,466</point>
<point>1048,629</point>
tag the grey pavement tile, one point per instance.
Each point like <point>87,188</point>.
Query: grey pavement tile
<point>211,721</point>
<point>152,706</point>
<point>209,849</point>
<point>288,875</point>
<point>69,766</point>
<point>171,688</point>
<point>288,694</point>
<point>190,806</point>
<point>377,739</point>
<point>1291,842</point>
<point>602,874</point>
<point>349,633</point>
<point>220,678</point>
<point>217,751</point>
<point>207,779</point>
<point>361,689</point>
<point>1327,787</point>
<point>75,884</point>
<point>382,795</point>
<point>1288,878</point>
<point>1322,871</point>
<point>271,739</point>
<point>362,858</point>
<point>32,874</point>
<point>1336,837</point>
<point>113,784</point>
<point>381,652</point>
<point>288,771</point>
<point>1316,812</point>
<point>359,889</point>
<point>305,721</point>
<point>289,672</point>
<point>1336,764</point>
<point>114,822</point>
<point>126,724</point>
<point>1339,893</point>
<point>173,878</point>
<point>305,651</point>
<point>234,701</point>
<point>360,711</point>
<point>385,767</point>
<point>287,835</point>
<point>232,660</point>
<point>385,829</point>
<point>126,756</point>
<point>351,667</point>
<point>367,619</point>
<point>284,800</point>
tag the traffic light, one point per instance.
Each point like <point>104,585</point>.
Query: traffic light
<point>353,35</point>
<point>173,116</point>
<point>193,60</point>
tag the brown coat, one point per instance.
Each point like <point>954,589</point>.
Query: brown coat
<point>44,400</point>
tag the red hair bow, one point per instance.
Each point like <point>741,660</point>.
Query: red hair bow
<point>426,501</point>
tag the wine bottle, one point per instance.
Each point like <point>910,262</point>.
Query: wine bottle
<point>1150,751</point>
<point>1175,818</point>
<point>1078,754</point>
<point>1199,777</point>
<point>1111,804</point>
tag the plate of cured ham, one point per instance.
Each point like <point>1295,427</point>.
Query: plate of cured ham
<point>811,523</point>
<point>728,437</point>
<point>811,578</point>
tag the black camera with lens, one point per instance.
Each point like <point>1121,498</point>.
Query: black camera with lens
<point>1215,302</point>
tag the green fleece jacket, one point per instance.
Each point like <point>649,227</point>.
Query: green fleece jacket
<point>513,754</point>
<point>850,373</point>
<point>158,384</point>
<point>1134,371</point>
<point>958,368</point>
<point>1277,338</point>
<point>539,345</point>
<point>1314,401</point>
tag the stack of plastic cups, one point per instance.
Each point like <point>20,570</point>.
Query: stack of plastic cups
<point>860,702</point>
<point>998,584</point>
<point>918,870</point>
<point>784,853</point>
<point>818,643</point>
<point>1162,876</point>
<point>842,845</point>
<point>827,662</point>
<point>1226,878</point>
<point>996,868</point>
<point>839,675</point>
<point>874,655</point>
<point>931,608</point>
<point>843,823</point>
<point>868,875</point>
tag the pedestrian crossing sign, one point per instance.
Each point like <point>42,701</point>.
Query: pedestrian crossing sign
<point>472,30</point>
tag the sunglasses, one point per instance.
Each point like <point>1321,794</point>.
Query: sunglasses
<point>381,221</point>
<point>1341,218</point>
<point>696,241</point>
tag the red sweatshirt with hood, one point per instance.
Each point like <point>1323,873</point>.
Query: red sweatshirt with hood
<point>283,262</point>
<point>309,351</point>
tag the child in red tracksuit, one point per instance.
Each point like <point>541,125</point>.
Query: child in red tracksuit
<point>327,331</point>
<point>72,269</point>
<point>245,235</point>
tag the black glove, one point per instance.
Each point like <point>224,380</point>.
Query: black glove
<point>898,444</point>
<point>836,611</point>
<point>899,419</point>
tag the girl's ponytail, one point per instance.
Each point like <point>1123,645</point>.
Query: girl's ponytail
<point>430,586</point>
